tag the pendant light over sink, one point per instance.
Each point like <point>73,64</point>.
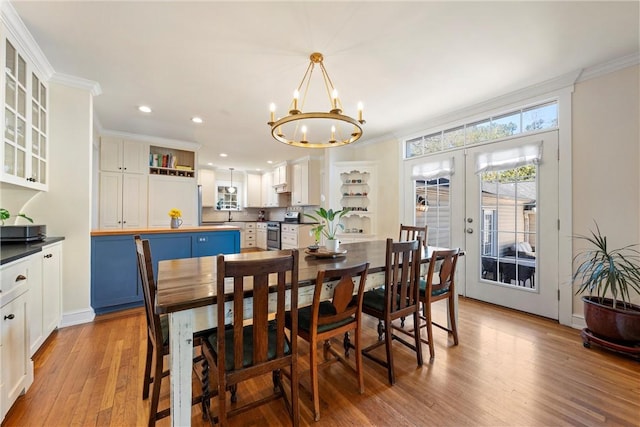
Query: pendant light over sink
<point>231,189</point>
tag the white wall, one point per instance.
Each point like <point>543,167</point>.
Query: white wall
<point>606,159</point>
<point>66,207</point>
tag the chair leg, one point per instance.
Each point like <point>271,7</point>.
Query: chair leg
<point>380,330</point>
<point>429,326</point>
<point>346,343</point>
<point>313,360</point>
<point>234,393</point>
<point>147,370</point>
<point>206,392</point>
<point>222,401</point>
<point>452,320</point>
<point>359,361</point>
<point>388,337</point>
<point>416,332</point>
<point>155,393</point>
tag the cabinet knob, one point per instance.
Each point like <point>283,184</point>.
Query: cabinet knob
<point>20,278</point>
<point>10,317</point>
<point>48,256</point>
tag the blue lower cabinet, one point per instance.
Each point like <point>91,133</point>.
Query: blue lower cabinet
<point>211,244</point>
<point>115,280</point>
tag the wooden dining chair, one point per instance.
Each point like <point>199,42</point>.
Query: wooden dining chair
<point>439,284</point>
<point>248,348</point>
<point>158,342</point>
<point>397,299</point>
<point>412,232</point>
<point>336,316</point>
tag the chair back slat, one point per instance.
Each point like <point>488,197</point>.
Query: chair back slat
<point>342,300</point>
<point>402,273</point>
<point>412,232</point>
<point>145,267</point>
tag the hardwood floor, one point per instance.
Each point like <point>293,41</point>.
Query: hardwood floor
<point>509,369</point>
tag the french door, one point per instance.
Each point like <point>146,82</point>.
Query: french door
<point>511,224</point>
<point>500,205</point>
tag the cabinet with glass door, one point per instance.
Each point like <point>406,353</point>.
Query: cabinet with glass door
<point>25,117</point>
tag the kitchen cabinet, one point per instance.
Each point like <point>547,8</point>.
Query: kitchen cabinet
<point>171,161</point>
<point>115,281</point>
<point>51,287</point>
<point>166,193</point>
<point>261,235</point>
<point>25,116</point>
<point>249,235</point>
<point>355,189</point>
<point>123,184</point>
<point>294,236</point>
<point>36,299</point>
<point>254,190</point>
<point>122,200</point>
<point>270,198</point>
<point>16,372</point>
<point>305,186</point>
<point>207,182</point>
<point>121,155</point>
<point>281,181</point>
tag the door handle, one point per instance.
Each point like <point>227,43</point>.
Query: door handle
<point>469,230</point>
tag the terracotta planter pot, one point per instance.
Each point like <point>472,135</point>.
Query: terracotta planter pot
<point>615,324</point>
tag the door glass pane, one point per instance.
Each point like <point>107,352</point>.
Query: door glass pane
<point>35,143</point>
<point>43,95</point>
<point>43,172</point>
<point>35,115</point>
<point>20,163</point>
<point>433,208</point>
<point>22,132</point>
<point>35,168</point>
<point>22,102</point>
<point>43,147</point>
<point>10,92</point>
<point>540,117</point>
<point>9,125</point>
<point>43,121</point>
<point>508,229</point>
<point>22,71</point>
<point>11,59</point>
<point>9,159</point>
<point>35,86</point>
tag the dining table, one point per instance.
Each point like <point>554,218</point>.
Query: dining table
<point>186,291</point>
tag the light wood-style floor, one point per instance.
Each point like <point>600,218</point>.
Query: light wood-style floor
<point>510,369</point>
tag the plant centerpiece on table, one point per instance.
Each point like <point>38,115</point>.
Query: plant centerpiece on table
<point>611,277</point>
<point>328,226</point>
<point>176,218</point>
<point>5,215</point>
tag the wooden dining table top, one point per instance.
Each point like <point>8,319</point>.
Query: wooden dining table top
<point>191,282</point>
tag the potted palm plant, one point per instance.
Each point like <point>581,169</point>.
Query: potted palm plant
<point>328,226</point>
<point>611,277</point>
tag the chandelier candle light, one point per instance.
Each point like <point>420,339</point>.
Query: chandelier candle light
<point>316,129</point>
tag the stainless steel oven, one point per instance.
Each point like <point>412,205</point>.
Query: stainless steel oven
<point>273,236</point>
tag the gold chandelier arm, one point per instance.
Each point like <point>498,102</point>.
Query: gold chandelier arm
<point>330,88</point>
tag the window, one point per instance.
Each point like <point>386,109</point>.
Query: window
<point>433,208</point>
<point>530,119</point>
<point>227,198</point>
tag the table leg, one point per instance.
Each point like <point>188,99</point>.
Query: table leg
<point>180,362</point>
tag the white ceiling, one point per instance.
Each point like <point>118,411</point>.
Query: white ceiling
<point>226,61</point>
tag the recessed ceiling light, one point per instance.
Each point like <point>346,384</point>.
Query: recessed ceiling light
<point>258,169</point>
<point>144,108</point>
<point>209,164</point>
<point>269,161</point>
<point>223,155</point>
<point>196,119</point>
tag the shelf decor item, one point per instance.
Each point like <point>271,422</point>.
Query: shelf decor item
<point>328,226</point>
<point>317,129</point>
<point>610,276</point>
<point>176,218</point>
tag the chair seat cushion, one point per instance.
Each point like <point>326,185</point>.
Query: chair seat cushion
<point>434,292</point>
<point>247,339</point>
<point>325,309</point>
<point>374,299</point>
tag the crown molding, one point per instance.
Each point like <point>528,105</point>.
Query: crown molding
<point>77,82</point>
<point>25,41</point>
<point>174,143</point>
<point>610,67</point>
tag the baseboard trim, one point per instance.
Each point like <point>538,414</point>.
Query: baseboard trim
<point>577,322</point>
<point>77,318</point>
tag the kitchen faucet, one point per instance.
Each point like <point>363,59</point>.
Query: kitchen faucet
<point>230,216</point>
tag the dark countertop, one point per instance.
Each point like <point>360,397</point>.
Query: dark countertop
<point>184,229</point>
<point>12,251</point>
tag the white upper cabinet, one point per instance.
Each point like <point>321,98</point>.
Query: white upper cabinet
<point>119,155</point>
<point>305,186</point>
<point>254,190</point>
<point>26,120</point>
<point>281,178</point>
<point>207,182</point>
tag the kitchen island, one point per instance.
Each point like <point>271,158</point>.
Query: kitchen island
<point>115,281</point>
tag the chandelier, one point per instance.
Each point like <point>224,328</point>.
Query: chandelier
<point>316,129</point>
